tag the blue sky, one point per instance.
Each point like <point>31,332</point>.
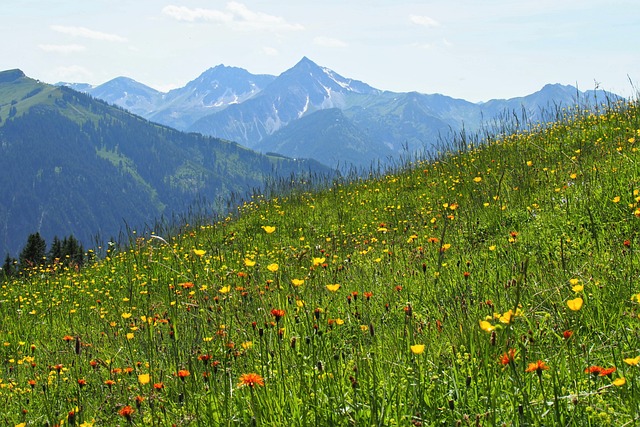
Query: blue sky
<point>471,49</point>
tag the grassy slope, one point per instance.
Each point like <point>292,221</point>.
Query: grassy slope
<point>421,256</point>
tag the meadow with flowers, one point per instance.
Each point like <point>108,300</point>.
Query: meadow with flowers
<point>495,285</point>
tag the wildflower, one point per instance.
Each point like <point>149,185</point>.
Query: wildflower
<point>616,199</point>
<point>567,334</point>
<point>606,372</point>
<point>251,380</point>
<point>272,267</point>
<point>508,357</point>
<point>199,252</point>
<point>417,348</point>
<point>67,338</point>
<point>277,313</point>
<point>109,383</point>
<point>224,289</point>
<point>82,382</point>
<point>249,263</point>
<point>268,229</point>
<point>594,370</point>
<point>183,373</point>
<point>619,382</point>
<point>334,287</point>
<point>126,412</point>
<point>577,288</point>
<point>144,378</point>
<point>158,386</point>
<point>126,315</point>
<point>297,282</point>
<point>477,179</point>
<point>130,336</point>
<point>486,326</point>
<point>368,295</point>
<point>537,367</point>
<point>575,304</point>
<point>318,261</point>
<point>633,361</point>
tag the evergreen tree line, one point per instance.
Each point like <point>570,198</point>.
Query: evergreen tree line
<point>65,252</point>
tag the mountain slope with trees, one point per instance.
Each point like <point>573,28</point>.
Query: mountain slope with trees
<point>71,164</point>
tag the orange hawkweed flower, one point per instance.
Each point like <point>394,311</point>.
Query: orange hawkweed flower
<point>606,372</point>
<point>277,313</point>
<point>68,338</point>
<point>593,370</point>
<point>508,357</point>
<point>183,373</point>
<point>251,380</point>
<point>537,367</point>
<point>126,412</point>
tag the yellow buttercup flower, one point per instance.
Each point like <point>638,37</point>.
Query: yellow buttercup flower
<point>417,348</point>
<point>199,252</point>
<point>268,229</point>
<point>224,289</point>
<point>633,361</point>
<point>272,267</point>
<point>144,378</point>
<point>619,382</point>
<point>486,326</point>
<point>575,304</point>
<point>334,287</point>
<point>297,282</point>
<point>249,263</point>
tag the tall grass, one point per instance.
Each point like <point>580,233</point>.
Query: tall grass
<point>495,285</point>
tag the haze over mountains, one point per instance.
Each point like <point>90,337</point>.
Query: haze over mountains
<point>287,114</point>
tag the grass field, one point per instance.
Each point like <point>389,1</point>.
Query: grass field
<point>497,285</point>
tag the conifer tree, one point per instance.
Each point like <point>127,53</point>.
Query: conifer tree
<point>35,251</point>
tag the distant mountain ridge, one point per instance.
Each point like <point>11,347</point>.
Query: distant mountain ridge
<point>257,111</point>
<point>71,164</point>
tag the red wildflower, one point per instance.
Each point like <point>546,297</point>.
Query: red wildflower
<point>251,380</point>
<point>158,386</point>
<point>183,373</point>
<point>368,295</point>
<point>567,334</point>
<point>82,382</point>
<point>68,338</point>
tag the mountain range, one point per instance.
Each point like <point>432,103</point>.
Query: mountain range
<point>289,114</point>
<point>71,164</point>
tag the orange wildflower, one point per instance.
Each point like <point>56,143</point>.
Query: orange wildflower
<point>251,380</point>
<point>537,367</point>
<point>508,357</point>
<point>126,412</point>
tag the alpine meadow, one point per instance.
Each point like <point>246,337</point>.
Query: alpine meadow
<point>493,284</point>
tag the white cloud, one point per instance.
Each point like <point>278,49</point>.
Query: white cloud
<point>424,21</point>
<point>62,48</point>
<point>329,42</point>
<point>270,51</point>
<point>236,15</point>
<point>87,33</point>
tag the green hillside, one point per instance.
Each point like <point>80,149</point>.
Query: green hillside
<point>494,286</point>
<point>71,164</point>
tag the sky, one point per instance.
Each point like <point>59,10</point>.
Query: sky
<point>471,49</point>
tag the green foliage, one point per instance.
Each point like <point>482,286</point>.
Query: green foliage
<point>494,286</point>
